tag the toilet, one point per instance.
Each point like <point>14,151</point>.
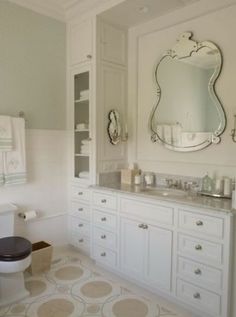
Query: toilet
<point>15,257</point>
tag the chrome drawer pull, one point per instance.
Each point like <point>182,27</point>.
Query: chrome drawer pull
<point>80,225</point>
<point>199,223</point>
<point>141,225</point>
<point>103,201</point>
<point>80,209</point>
<point>81,240</point>
<point>197,295</point>
<point>198,272</point>
<point>103,254</point>
<point>145,226</point>
<point>198,247</point>
<point>80,193</point>
<point>104,219</point>
<point>103,236</point>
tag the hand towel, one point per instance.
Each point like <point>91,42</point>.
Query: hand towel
<point>167,133</point>
<point>6,141</point>
<point>1,169</point>
<point>84,174</point>
<point>14,162</point>
<point>85,142</point>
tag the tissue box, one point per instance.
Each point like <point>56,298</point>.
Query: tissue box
<point>41,257</point>
<point>127,176</point>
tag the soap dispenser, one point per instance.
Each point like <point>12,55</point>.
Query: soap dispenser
<point>207,184</point>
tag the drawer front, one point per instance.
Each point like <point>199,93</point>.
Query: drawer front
<point>151,212</point>
<point>80,242</point>
<point>201,224</point>
<point>201,250</point>
<point>200,274</point>
<point>104,238</point>
<point>105,200</point>
<point>80,193</point>
<point>80,226</point>
<point>201,299</point>
<point>106,220</point>
<point>80,210</point>
<point>105,256</point>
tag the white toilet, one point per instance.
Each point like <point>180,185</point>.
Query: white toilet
<point>15,257</point>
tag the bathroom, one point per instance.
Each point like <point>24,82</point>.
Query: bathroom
<point>36,74</point>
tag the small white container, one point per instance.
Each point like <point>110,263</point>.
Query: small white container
<point>137,179</point>
<point>227,186</point>
<point>149,179</point>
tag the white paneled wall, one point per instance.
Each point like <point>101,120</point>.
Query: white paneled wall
<point>46,189</point>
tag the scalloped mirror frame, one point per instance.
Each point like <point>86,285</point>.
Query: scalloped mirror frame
<point>184,47</point>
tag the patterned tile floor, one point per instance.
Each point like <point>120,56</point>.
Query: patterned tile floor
<point>76,287</point>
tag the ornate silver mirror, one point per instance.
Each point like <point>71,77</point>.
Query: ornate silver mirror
<point>188,115</point>
<point>114,127</point>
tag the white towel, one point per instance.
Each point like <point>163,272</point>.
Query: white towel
<point>167,133</point>
<point>6,141</point>
<point>14,161</point>
<point>1,169</point>
<point>84,149</point>
<point>84,174</point>
<point>85,142</point>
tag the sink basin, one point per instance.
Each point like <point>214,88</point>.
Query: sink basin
<point>165,192</point>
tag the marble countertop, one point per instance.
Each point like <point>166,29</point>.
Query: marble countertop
<point>194,200</point>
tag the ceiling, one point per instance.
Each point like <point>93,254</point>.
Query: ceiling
<point>127,13</point>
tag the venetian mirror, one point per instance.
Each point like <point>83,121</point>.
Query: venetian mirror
<point>188,115</point>
<point>114,127</point>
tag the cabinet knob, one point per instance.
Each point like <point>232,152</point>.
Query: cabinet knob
<point>140,225</point>
<point>80,225</point>
<point>198,247</point>
<point>103,254</point>
<point>145,226</point>
<point>81,240</point>
<point>103,219</point>
<point>196,295</point>
<point>103,236</point>
<point>80,193</point>
<point>199,223</point>
<point>89,56</point>
<point>198,272</point>
<point>80,209</point>
<point>103,201</point>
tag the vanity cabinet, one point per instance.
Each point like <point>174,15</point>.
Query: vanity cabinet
<point>146,252</point>
<point>170,248</point>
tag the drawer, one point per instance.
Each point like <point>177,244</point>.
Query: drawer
<point>200,274</point>
<point>80,193</point>
<point>80,242</point>
<point>104,238</point>
<point>104,219</point>
<point>201,224</point>
<point>80,226</point>
<point>105,200</point>
<point>151,212</point>
<point>80,210</point>
<point>104,255</point>
<point>203,300</point>
<point>200,249</point>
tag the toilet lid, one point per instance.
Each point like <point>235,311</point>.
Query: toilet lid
<point>14,248</point>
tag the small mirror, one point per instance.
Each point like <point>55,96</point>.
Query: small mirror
<point>114,127</point>
<point>188,115</point>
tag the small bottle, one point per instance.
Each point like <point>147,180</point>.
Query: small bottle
<point>207,184</point>
<point>137,178</point>
<point>227,187</point>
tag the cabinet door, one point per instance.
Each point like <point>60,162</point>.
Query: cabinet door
<point>132,248</point>
<point>158,257</point>
<point>80,42</point>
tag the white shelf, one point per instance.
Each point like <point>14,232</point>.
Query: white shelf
<point>81,155</point>
<point>82,130</point>
<point>81,100</point>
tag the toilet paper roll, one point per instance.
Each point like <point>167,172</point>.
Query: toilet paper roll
<point>28,215</point>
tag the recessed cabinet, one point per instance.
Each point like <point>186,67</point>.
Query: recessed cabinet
<point>146,252</point>
<point>80,42</point>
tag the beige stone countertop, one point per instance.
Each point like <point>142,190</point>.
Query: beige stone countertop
<point>195,200</point>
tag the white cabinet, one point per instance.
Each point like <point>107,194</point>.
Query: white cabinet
<point>146,252</point>
<point>80,42</point>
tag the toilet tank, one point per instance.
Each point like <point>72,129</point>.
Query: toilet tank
<point>7,215</point>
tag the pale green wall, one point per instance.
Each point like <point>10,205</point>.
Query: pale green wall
<point>32,67</point>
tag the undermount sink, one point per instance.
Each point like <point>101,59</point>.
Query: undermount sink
<point>165,191</point>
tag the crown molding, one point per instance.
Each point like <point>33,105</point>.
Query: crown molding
<point>51,9</point>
